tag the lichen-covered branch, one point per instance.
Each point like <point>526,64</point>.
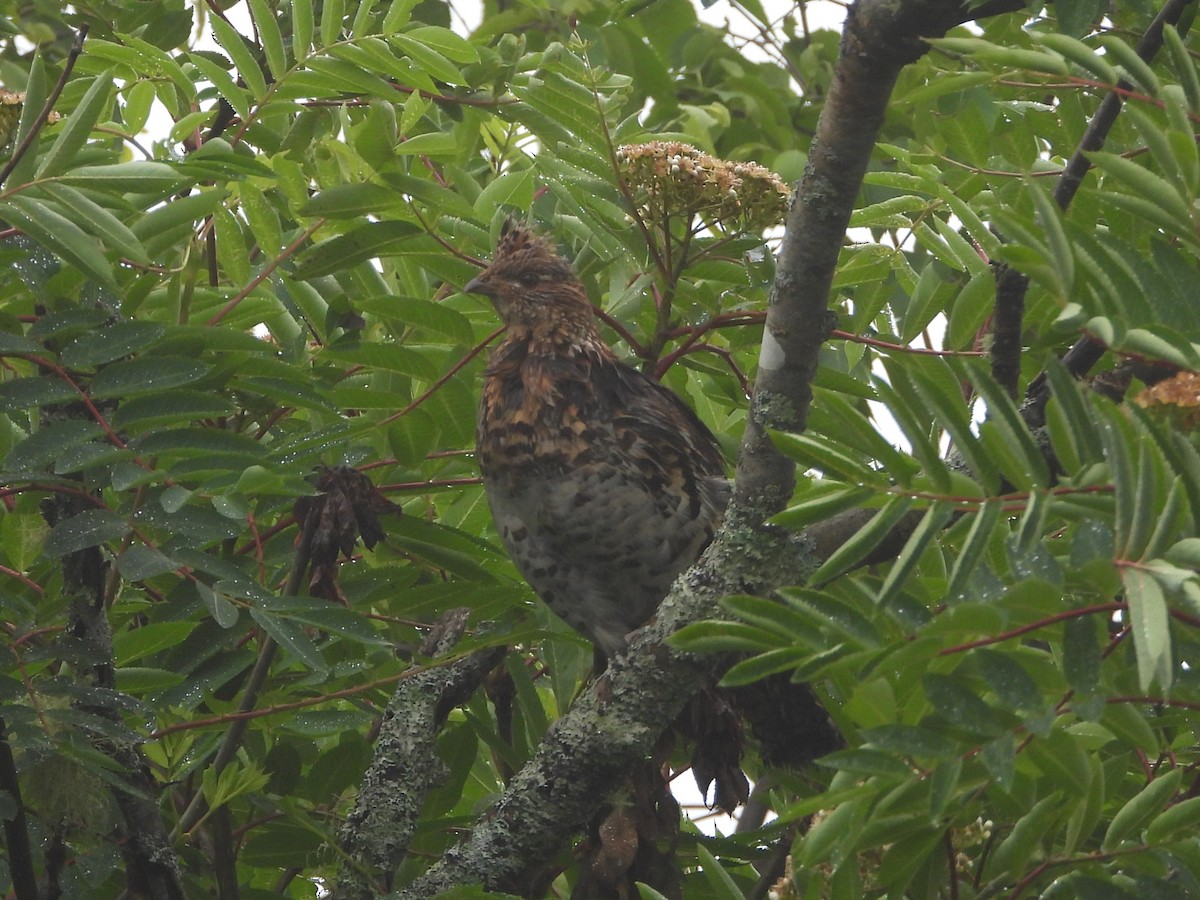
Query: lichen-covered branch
<point>406,766</point>
<point>614,725</point>
<point>152,871</point>
<point>879,39</point>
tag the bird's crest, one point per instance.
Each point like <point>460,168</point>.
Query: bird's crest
<point>516,236</point>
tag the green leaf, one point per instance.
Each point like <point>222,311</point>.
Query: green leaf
<point>110,343</point>
<point>1081,654</point>
<point>911,740</point>
<point>24,535</point>
<point>432,144</point>
<point>86,529</point>
<point>350,200</point>
<point>446,42</point>
<point>821,500</point>
<point>821,453</point>
<point>59,235</point>
<point>958,705</point>
<point>79,126</point>
<point>1013,853</point>
<point>137,563</point>
<point>1178,821</point>
<point>137,680</point>
<point>863,541</point>
<point>302,28</point>
<point>222,611</point>
<point>1141,807</point>
<point>47,444</point>
<point>332,14</point>
<point>1008,680</point>
<point>1150,623</point>
<point>199,442</point>
<point>1136,68</point>
<point>1152,190</point>
<point>1023,463</point>
<point>98,221</point>
<point>224,83</point>
<point>905,563</point>
<point>139,176</point>
<point>436,65</point>
<point>148,374</point>
<point>364,242</point>
<point>983,527</point>
<point>290,635</point>
<point>36,91</point>
<point>270,36</point>
<point>170,406</point>
<point>26,393</point>
<point>1078,52</point>
<point>233,44</point>
<point>718,879</point>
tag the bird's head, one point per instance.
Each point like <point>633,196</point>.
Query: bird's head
<point>535,290</point>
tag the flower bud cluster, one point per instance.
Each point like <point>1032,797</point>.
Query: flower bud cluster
<point>677,179</point>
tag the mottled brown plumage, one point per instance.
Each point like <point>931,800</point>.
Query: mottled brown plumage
<point>604,485</point>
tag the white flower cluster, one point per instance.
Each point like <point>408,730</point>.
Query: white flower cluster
<point>676,179</point>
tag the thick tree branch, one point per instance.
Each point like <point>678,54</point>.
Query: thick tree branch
<point>406,765</point>
<point>613,726</point>
<point>879,39</point>
<point>16,829</point>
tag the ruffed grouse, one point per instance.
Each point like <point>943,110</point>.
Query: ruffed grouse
<point>603,484</point>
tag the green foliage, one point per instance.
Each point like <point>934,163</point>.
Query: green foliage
<point>195,316</point>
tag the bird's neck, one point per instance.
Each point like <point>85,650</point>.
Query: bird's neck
<point>555,338</point>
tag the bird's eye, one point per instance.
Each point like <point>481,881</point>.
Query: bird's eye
<point>529,279</point>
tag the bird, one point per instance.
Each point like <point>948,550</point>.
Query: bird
<point>604,485</point>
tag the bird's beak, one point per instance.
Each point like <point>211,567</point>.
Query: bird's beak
<point>477,286</point>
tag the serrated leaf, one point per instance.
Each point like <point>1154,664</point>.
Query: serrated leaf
<point>171,406</point>
<point>145,375</point>
<point>59,235</point>
<point>1150,623</point>
<point>86,529</point>
<point>233,44</point>
<point>291,637</point>
<point>350,200</point>
<point>27,393</point>
<point>863,541</point>
<point>140,562</point>
<point>78,126</point>
<point>361,243</point>
<point>99,222</point>
<point>139,176</point>
<point>110,343</point>
<point>47,444</point>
